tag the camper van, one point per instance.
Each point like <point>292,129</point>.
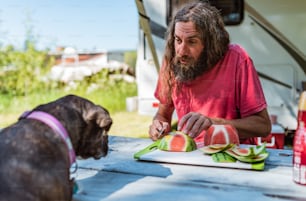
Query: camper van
<point>272,32</point>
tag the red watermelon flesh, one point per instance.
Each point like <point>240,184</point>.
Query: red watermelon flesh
<point>242,151</point>
<point>221,134</point>
<point>177,142</point>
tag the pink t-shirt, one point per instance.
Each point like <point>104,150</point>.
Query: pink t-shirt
<point>230,90</point>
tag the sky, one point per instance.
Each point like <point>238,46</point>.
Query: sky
<point>85,25</point>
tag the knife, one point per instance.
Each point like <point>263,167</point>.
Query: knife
<point>161,132</point>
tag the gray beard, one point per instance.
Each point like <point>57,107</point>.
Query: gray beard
<point>185,73</point>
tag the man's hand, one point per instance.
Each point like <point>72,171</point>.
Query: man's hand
<point>158,129</point>
<point>193,124</point>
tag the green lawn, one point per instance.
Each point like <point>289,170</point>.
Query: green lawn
<point>129,124</point>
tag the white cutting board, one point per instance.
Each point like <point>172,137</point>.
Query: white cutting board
<point>196,157</point>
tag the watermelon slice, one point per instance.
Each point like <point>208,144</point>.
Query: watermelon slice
<point>208,150</point>
<point>215,148</point>
<point>221,134</point>
<point>177,142</point>
<point>250,151</point>
<point>253,159</point>
<point>250,154</point>
<point>245,152</point>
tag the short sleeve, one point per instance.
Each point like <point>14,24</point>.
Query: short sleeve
<point>250,96</point>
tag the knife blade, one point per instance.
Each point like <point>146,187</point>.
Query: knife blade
<point>161,132</point>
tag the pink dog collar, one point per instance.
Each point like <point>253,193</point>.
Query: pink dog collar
<point>56,126</point>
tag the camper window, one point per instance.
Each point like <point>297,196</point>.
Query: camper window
<point>231,10</point>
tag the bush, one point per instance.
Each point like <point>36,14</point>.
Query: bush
<point>22,86</point>
<point>21,71</point>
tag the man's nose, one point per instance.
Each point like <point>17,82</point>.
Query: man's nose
<point>182,49</point>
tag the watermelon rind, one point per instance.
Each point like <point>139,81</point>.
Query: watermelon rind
<point>191,145</point>
<point>222,157</point>
<point>258,166</point>
<point>163,144</point>
<point>259,149</point>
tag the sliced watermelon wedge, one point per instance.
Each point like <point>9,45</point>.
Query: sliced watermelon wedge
<point>244,152</point>
<point>221,134</point>
<point>254,159</point>
<point>177,142</point>
<point>208,150</point>
<point>248,155</point>
<point>250,151</point>
<point>215,148</point>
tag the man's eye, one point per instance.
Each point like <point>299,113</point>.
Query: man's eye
<point>177,39</point>
<point>192,42</point>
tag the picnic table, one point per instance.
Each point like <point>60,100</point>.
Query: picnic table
<point>120,177</point>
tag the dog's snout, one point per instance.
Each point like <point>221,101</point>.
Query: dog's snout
<point>101,152</point>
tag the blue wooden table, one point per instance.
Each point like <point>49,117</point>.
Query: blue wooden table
<point>120,177</point>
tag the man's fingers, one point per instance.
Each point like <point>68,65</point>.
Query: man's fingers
<point>194,123</point>
<point>183,121</point>
<point>158,129</point>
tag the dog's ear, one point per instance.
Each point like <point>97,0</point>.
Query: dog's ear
<point>98,114</point>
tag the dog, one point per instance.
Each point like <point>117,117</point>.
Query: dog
<point>35,160</point>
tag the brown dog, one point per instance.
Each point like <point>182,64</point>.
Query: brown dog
<point>34,159</point>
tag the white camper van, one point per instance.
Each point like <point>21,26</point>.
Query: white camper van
<point>273,33</point>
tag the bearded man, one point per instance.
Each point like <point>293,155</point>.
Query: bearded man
<point>207,80</point>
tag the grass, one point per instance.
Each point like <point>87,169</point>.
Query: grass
<point>129,124</point>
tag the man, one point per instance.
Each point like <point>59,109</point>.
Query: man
<point>207,80</point>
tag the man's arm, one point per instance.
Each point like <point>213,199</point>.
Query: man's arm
<point>161,121</point>
<point>258,124</point>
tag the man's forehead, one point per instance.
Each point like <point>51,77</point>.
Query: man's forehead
<point>186,29</point>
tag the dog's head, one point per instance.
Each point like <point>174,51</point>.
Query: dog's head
<point>94,142</point>
<point>87,124</point>
<point>95,137</point>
